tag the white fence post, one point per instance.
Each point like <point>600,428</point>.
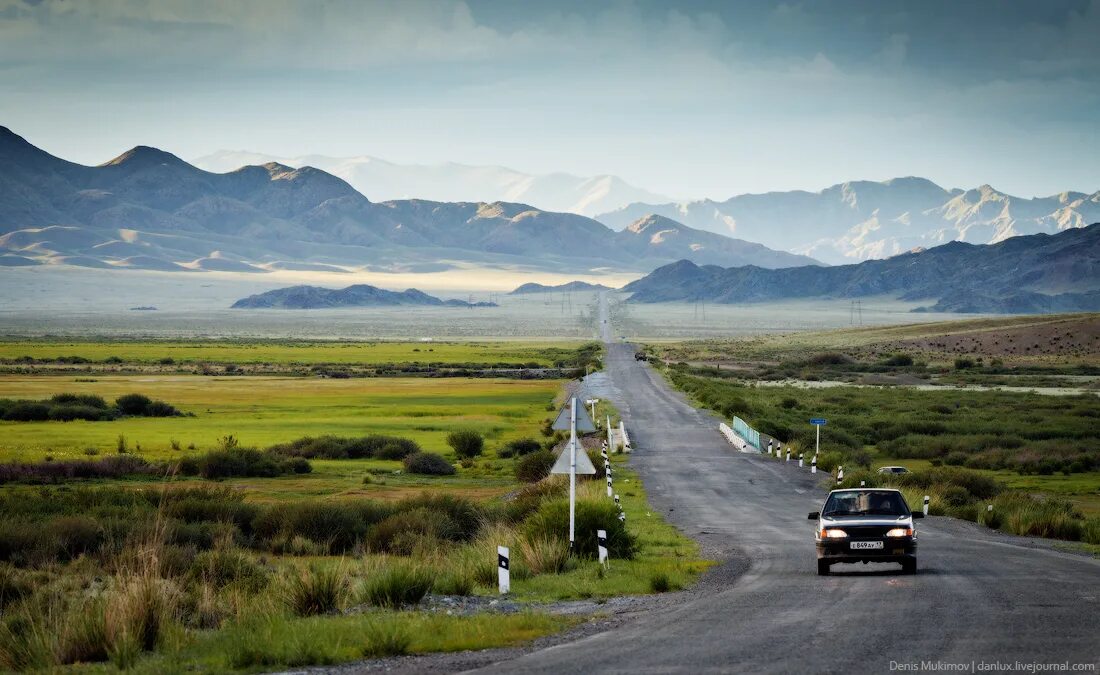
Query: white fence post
<point>502,570</point>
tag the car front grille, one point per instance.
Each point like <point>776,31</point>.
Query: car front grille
<point>866,531</point>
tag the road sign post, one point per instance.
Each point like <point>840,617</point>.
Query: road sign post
<point>577,417</point>
<point>818,422</point>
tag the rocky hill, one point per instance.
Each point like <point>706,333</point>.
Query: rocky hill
<point>863,220</point>
<point>1035,273</point>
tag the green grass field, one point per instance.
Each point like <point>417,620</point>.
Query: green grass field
<point>290,352</point>
<point>261,411</point>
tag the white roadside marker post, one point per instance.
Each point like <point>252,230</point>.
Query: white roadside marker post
<point>769,446</point>
<point>601,543</point>
<point>502,570</point>
<point>800,458</point>
<point>788,453</point>
<point>863,483</point>
<point>926,505</point>
<point>813,464</point>
<point>839,474</point>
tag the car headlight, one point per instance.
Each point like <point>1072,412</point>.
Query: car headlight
<point>833,533</point>
<point>900,532</point>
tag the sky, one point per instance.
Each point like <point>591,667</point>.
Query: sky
<point>689,99</point>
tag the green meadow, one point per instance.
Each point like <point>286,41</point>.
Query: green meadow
<point>262,411</point>
<point>289,352</point>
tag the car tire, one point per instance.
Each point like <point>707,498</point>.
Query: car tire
<point>909,566</point>
<point>822,568</point>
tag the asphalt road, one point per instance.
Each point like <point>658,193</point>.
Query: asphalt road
<point>979,596</point>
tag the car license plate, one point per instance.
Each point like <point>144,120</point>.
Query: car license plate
<point>865,544</point>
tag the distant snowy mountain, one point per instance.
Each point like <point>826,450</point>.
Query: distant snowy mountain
<point>380,180</point>
<point>864,220</point>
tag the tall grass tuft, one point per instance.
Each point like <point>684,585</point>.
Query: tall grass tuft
<point>397,586</point>
<point>317,590</point>
<point>545,555</point>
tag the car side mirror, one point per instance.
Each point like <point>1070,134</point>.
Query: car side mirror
<point>917,514</point>
<point>814,515</point>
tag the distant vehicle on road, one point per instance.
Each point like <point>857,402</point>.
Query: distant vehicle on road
<point>893,469</point>
<point>640,356</point>
<point>865,525</point>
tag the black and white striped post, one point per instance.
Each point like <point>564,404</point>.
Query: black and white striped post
<point>788,453</point>
<point>813,465</point>
<point>607,470</point>
<point>503,577</point>
<point>863,483</point>
<point>801,457</point>
<point>769,446</point>
<point>839,475</point>
<point>601,544</point>
<point>926,505</point>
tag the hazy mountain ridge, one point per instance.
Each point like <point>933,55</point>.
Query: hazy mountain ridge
<point>147,208</point>
<point>381,180</point>
<point>358,295</point>
<point>863,220</point>
<point>1032,273</point>
<point>568,287</point>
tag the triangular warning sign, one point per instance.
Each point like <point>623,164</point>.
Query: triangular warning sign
<point>584,464</point>
<point>584,422</point>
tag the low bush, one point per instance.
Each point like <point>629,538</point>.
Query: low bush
<point>120,466</point>
<point>335,447</point>
<point>466,443</point>
<point>535,466</point>
<point>544,555</point>
<point>429,464</point>
<point>551,521</point>
<point>519,448</point>
<point>235,463</point>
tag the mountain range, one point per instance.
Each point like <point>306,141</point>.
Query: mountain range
<point>359,295</point>
<point>381,180</point>
<point>863,220</point>
<point>149,209</point>
<point>1033,273</point>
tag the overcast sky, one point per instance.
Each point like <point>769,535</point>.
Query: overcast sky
<point>688,99</point>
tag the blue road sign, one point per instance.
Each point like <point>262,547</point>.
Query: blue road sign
<point>818,421</point>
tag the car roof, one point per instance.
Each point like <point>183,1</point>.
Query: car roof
<point>866,489</point>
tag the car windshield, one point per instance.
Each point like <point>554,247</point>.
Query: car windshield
<point>865,503</point>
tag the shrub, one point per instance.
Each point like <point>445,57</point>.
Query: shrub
<point>898,360</point>
<point>829,359</point>
<point>160,409</point>
<point>429,464</point>
<point>339,526</point>
<point>400,533</point>
<point>397,586</point>
<point>551,521</point>
<point>535,466</point>
<point>298,465</point>
<point>70,412</point>
<point>519,448</point>
<point>132,404</point>
<point>317,590</point>
<point>27,411</point>
<point>963,363</point>
<point>466,443</point>
<point>239,462</point>
<point>335,447</point>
